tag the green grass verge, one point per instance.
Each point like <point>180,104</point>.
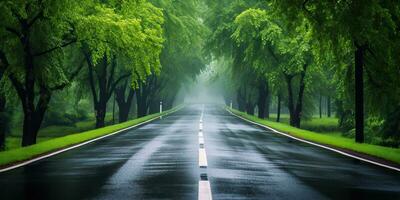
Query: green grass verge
<point>334,140</point>
<point>26,153</point>
<point>324,124</point>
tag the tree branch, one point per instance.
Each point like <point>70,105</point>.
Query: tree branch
<point>17,85</point>
<point>38,16</point>
<point>114,85</point>
<point>13,31</point>
<point>55,48</point>
<point>70,78</point>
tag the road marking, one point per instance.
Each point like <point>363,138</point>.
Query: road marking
<point>319,145</point>
<point>204,184</point>
<point>201,140</point>
<point>204,190</point>
<point>202,158</point>
<point>200,134</point>
<point>78,145</point>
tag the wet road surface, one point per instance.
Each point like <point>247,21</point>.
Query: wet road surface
<point>160,160</point>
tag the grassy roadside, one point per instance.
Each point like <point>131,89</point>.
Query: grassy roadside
<point>386,153</point>
<point>26,153</point>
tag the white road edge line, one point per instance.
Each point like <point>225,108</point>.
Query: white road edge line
<point>204,190</point>
<point>76,146</point>
<point>319,145</point>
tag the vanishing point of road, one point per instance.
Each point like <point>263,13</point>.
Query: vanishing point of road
<point>199,152</point>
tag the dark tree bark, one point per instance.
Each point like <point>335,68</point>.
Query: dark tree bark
<point>124,103</point>
<point>320,105</point>
<point>359,93</point>
<point>3,121</point>
<point>296,110</point>
<point>241,101</point>
<point>250,108</point>
<point>106,84</point>
<point>328,106</point>
<point>267,106</point>
<point>278,112</point>
<point>3,114</point>
<point>289,79</point>
<point>262,98</point>
<point>144,94</point>
<point>154,107</point>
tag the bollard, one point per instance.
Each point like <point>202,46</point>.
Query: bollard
<point>160,109</point>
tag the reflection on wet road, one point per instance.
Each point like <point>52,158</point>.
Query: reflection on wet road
<point>160,160</point>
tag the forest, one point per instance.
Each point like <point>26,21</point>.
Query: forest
<point>70,66</point>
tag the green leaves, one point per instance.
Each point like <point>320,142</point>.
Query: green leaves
<point>131,30</point>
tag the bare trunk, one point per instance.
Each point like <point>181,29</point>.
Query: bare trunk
<point>262,98</point>
<point>278,112</point>
<point>296,111</point>
<point>3,122</point>
<point>320,106</point>
<point>328,106</point>
<point>124,104</point>
<point>359,93</point>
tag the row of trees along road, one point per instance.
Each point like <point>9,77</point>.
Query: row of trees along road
<point>295,51</point>
<point>95,50</point>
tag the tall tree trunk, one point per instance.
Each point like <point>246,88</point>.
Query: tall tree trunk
<point>241,101</point>
<point>100,114</point>
<point>267,106</point>
<point>154,107</point>
<point>33,116</point>
<point>124,104</point>
<point>101,102</point>
<point>289,79</point>
<point>3,114</point>
<point>278,112</point>
<point>299,104</point>
<point>141,98</point>
<point>296,111</point>
<point>262,98</point>
<point>250,108</point>
<point>359,93</point>
<point>328,106</point>
<point>3,121</point>
<point>320,105</point>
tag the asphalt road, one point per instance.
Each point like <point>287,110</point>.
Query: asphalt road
<point>160,160</point>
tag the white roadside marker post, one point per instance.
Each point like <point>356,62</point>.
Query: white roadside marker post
<point>231,105</point>
<point>160,109</point>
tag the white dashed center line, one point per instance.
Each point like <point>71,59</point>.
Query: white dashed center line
<point>204,190</point>
<point>202,158</point>
<point>204,184</point>
<point>201,140</point>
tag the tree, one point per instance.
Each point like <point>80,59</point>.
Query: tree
<point>35,34</point>
<point>288,49</point>
<point>361,30</point>
<point>125,39</point>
